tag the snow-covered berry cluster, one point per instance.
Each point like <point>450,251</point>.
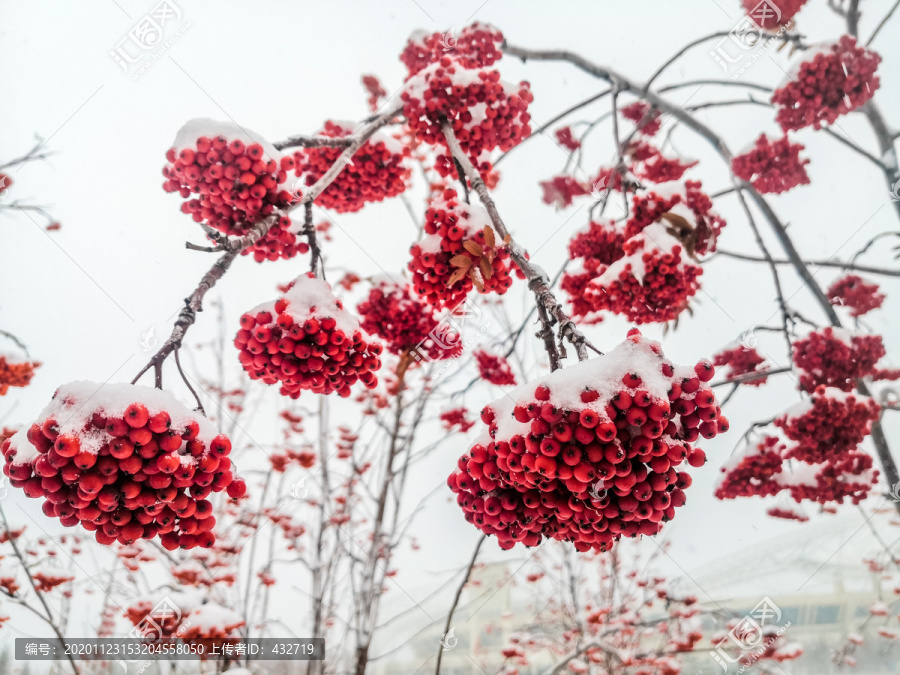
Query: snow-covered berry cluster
<point>589,453</point>
<point>404,323</point>
<point>832,81</point>
<point>126,462</point>
<point>186,615</point>
<point>457,418</point>
<point>768,15</point>
<point>566,139</point>
<point>484,112</point>
<point>378,170</point>
<point>649,164</point>
<point>597,247</point>
<point>742,361</point>
<point>477,46</point>
<point>686,210</point>
<point>639,112</point>
<point>458,252</point>
<point>15,372</point>
<point>772,166</point>
<point>237,180</point>
<point>752,472</point>
<point>493,368</point>
<point>828,425</point>
<point>306,340</point>
<point>836,357</point>
<point>560,191</point>
<point>853,292</point>
<point>651,282</point>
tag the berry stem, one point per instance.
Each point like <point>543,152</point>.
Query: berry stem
<point>550,311</point>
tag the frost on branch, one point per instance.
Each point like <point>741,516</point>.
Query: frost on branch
<point>830,81</point>
<point>772,166</point>
<point>458,252</point>
<point>306,340</point>
<point>378,170</point>
<point>589,453</point>
<point>126,462</point>
<point>238,180</point>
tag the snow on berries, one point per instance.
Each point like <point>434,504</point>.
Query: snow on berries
<point>831,81</point>
<point>477,46</point>
<point>742,361</point>
<point>853,292</point>
<point>493,368</point>
<point>186,615</point>
<point>836,357</point>
<point>307,340</point>
<point>752,471</point>
<point>828,425</point>
<point>124,461</point>
<point>651,282</point>
<point>772,166</point>
<point>458,252</point>
<point>406,323</point>
<point>378,170</point>
<point>484,112</point>
<point>647,269</point>
<point>238,180</point>
<point>15,371</point>
<point>591,452</point>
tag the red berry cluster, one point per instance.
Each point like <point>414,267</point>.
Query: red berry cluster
<point>591,452</point>
<point>459,252</point>
<point>183,615</point>
<point>559,191</point>
<point>753,472</point>
<point>484,112</point>
<point>853,292</point>
<point>837,358</point>
<point>457,417</point>
<point>772,166</point>
<point>237,183</point>
<point>494,369</point>
<point>377,172</point>
<point>376,91</point>
<point>833,82</point>
<point>649,164</point>
<point>404,322</point>
<point>685,208</point>
<point>306,340</point>
<point>477,46</point>
<point>763,16</point>
<point>126,462</point>
<point>848,476</point>
<point>742,361</point>
<point>14,373</point>
<point>639,112</point>
<point>651,282</point>
<point>829,425</point>
<point>596,248</point>
<point>565,138</point>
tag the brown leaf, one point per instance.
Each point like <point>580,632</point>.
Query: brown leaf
<point>489,239</point>
<point>476,279</point>
<point>486,269</point>
<point>507,239</point>
<point>456,276</point>
<point>473,247</point>
<point>463,261</point>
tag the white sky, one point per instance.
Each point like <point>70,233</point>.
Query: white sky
<point>83,297</point>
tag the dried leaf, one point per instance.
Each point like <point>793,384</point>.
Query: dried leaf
<point>489,239</point>
<point>456,276</point>
<point>476,279</point>
<point>473,247</point>
<point>507,239</point>
<point>463,261</point>
<point>486,269</point>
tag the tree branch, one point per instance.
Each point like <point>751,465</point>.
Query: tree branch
<point>459,590</point>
